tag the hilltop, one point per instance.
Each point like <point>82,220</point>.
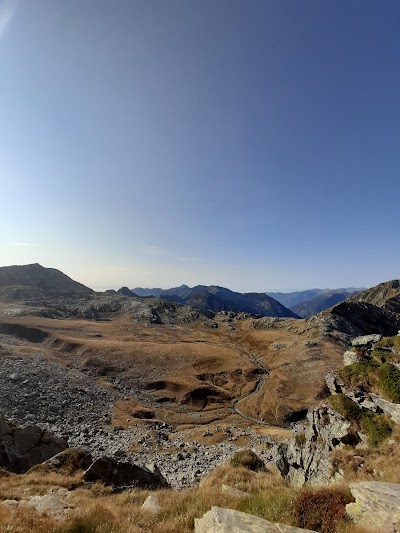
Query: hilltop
<point>36,281</point>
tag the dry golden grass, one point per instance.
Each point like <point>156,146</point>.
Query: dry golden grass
<point>381,464</point>
<point>174,358</point>
<point>96,510</point>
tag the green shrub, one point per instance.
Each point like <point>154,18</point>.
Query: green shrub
<point>376,427</point>
<point>321,510</point>
<point>389,380</point>
<point>346,407</point>
<point>361,373</point>
<point>247,459</point>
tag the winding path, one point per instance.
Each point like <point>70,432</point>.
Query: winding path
<point>257,387</point>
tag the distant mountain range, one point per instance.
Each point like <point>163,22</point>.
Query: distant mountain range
<point>323,301</point>
<point>301,303</point>
<point>216,299</point>
<point>290,299</point>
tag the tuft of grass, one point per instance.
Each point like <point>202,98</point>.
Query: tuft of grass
<point>276,505</point>
<point>247,459</point>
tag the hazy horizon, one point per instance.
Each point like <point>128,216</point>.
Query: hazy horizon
<point>248,145</point>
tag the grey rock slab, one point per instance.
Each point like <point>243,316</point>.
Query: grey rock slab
<point>350,357</point>
<point>53,504</point>
<point>366,339</point>
<point>391,409</point>
<point>219,520</point>
<point>377,506</point>
<point>120,474</point>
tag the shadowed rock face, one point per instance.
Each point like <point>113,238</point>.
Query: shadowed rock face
<point>22,448</point>
<point>121,474</point>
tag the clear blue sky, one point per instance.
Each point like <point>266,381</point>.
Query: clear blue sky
<point>251,144</point>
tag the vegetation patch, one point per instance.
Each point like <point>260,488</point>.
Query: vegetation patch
<point>346,407</point>
<point>389,381</point>
<point>274,505</point>
<point>376,426</point>
<point>247,459</point>
<point>321,510</point>
<point>362,373</point>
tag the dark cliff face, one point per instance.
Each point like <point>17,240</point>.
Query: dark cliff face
<point>33,281</point>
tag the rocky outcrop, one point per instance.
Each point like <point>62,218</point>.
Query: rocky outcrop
<point>305,457</point>
<point>22,448</point>
<point>377,506</point>
<point>219,520</point>
<point>122,474</point>
<point>366,400</point>
<point>366,340</point>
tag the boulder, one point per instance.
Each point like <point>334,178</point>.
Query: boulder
<point>22,448</point>
<point>151,504</point>
<point>219,520</point>
<point>54,504</point>
<point>377,506</point>
<point>350,357</point>
<point>121,474</point>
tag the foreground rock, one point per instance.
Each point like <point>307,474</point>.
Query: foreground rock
<point>22,448</point>
<point>54,504</point>
<point>219,520</point>
<point>377,506</point>
<point>122,474</point>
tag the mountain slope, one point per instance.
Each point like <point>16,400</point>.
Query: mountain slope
<point>374,310</point>
<point>320,303</point>
<point>35,281</point>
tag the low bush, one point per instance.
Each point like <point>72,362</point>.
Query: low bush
<point>345,406</point>
<point>321,510</point>
<point>247,459</point>
<point>376,427</point>
<point>389,381</point>
<point>361,373</point>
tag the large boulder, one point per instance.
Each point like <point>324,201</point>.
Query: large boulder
<point>219,520</point>
<point>121,474</point>
<point>377,506</point>
<point>22,448</point>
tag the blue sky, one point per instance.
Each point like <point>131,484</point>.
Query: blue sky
<point>250,144</point>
